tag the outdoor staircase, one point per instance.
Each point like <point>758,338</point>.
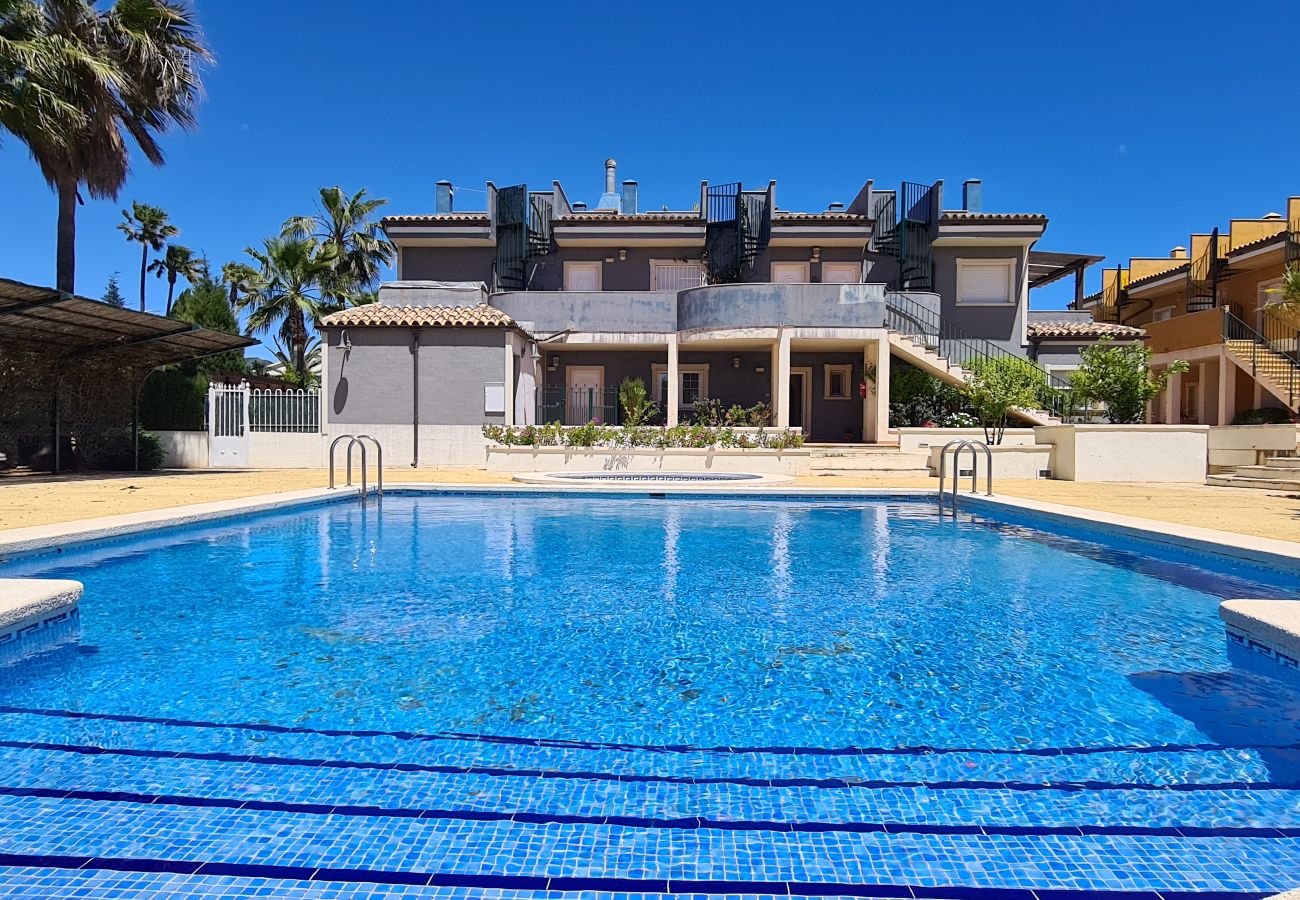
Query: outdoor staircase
<point>922,353</point>
<point>1278,473</point>
<point>1278,373</point>
<point>868,461</point>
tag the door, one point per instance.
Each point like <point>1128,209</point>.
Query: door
<point>228,433</point>
<point>801,400</point>
<point>790,273</point>
<point>586,391</point>
<point>582,276</point>
<point>841,272</point>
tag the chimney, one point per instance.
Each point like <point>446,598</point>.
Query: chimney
<point>835,207</point>
<point>443,192</point>
<point>579,206</point>
<point>972,195</point>
<point>1178,253</point>
<point>609,199</point>
<point>628,204</point>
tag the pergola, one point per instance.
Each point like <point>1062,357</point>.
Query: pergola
<point>71,370</point>
<point>1046,267</point>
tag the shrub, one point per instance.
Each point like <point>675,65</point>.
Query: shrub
<point>594,434</point>
<point>1120,378</point>
<point>1262,416</point>
<point>917,399</point>
<point>638,408</point>
<point>712,413</point>
<point>114,451</point>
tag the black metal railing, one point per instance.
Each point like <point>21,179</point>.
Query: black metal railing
<point>884,224</point>
<point>511,213</point>
<point>540,211</point>
<point>1203,277</point>
<point>1272,350</point>
<point>915,262</point>
<point>578,406</point>
<point>723,232</point>
<point>1292,254</point>
<point>1113,297</point>
<point>926,327</point>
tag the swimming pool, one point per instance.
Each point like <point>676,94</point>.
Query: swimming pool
<point>644,695</point>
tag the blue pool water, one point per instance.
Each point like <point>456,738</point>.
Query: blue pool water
<point>642,696</point>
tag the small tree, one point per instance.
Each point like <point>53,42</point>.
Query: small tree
<point>113,293</point>
<point>638,409</point>
<point>999,385</point>
<point>1120,377</point>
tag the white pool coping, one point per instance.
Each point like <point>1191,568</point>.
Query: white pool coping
<point>1268,626</point>
<point>27,604</point>
<point>647,480</point>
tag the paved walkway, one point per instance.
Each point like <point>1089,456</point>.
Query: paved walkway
<point>34,500</point>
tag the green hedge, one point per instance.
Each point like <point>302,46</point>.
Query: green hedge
<point>595,435</point>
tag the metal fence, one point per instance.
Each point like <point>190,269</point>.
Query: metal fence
<point>284,410</point>
<point>578,406</point>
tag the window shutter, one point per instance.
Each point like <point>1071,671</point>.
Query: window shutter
<point>985,283</point>
<point>678,277</point>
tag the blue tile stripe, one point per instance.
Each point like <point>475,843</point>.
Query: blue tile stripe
<point>510,772</point>
<point>552,743</point>
<point>533,818</point>
<point>573,884</point>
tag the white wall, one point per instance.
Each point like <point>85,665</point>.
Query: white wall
<point>439,445</point>
<point>1249,445</point>
<point>1141,453</point>
<point>674,459</point>
<point>185,449</point>
<point>285,450</point>
<point>1008,462</point>
<point>912,440</point>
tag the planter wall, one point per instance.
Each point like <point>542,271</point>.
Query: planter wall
<point>611,459</point>
<point>913,440</point>
<point>1142,453</point>
<point>1008,462</point>
<point>1249,445</point>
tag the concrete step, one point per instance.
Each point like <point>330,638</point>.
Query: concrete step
<point>870,473</point>
<point>1274,473</point>
<point>1284,462</point>
<point>1237,481</point>
<point>891,462</point>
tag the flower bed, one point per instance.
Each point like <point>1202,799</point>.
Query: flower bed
<point>641,436</point>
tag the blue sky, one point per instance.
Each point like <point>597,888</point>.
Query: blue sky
<point>1128,124</point>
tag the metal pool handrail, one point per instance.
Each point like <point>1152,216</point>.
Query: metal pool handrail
<point>956,470</point>
<point>359,440</point>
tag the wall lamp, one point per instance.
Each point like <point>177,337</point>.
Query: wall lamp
<point>735,362</point>
<point>816,254</point>
<point>622,255</point>
<point>345,342</point>
<point>555,363</point>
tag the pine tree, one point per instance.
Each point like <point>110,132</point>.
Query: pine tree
<point>112,293</point>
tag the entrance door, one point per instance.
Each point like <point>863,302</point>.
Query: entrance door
<point>582,276</point>
<point>228,434</point>
<point>586,392</point>
<point>801,400</point>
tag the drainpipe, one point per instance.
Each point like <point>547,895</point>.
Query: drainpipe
<point>415,398</point>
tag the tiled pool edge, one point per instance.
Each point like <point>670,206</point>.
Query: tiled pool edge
<point>30,605</point>
<point>1270,628</point>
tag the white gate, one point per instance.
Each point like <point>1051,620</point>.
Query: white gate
<point>228,431</point>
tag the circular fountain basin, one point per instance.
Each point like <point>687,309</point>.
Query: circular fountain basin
<point>653,479</point>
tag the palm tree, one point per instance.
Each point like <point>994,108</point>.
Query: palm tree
<point>307,377</point>
<point>289,292</point>
<point>84,83</point>
<point>1284,305</point>
<point>343,224</point>
<point>178,261</point>
<point>237,276</point>
<point>148,226</point>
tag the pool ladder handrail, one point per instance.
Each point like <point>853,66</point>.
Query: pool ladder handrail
<point>962,444</point>
<point>355,440</point>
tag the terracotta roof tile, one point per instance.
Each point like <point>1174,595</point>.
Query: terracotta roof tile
<point>1046,330</point>
<point>604,216</point>
<point>379,315</point>
<point>980,217</point>
<point>468,218</point>
<point>827,217</point>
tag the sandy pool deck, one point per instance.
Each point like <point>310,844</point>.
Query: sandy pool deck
<point>40,500</point>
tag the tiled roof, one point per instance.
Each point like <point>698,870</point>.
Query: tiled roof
<point>1047,330</point>
<point>958,215</point>
<point>1258,242</point>
<point>659,218</point>
<point>823,218</point>
<point>379,315</point>
<point>471,218</point>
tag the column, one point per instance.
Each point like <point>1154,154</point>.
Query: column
<point>1227,389</point>
<point>1202,402</point>
<point>881,398</point>
<point>869,435</point>
<point>781,399</point>
<point>1174,399</point>
<point>508,389</point>
<point>674,388</point>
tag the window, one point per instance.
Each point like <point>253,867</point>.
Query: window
<point>692,384</point>
<point>582,276</point>
<point>675,276</point>
<point>841,272</point>
<point>986,282</point>
<point>837,384</point>
<point>1160,315</point>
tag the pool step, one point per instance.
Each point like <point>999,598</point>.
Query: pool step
<point>859,461</point>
